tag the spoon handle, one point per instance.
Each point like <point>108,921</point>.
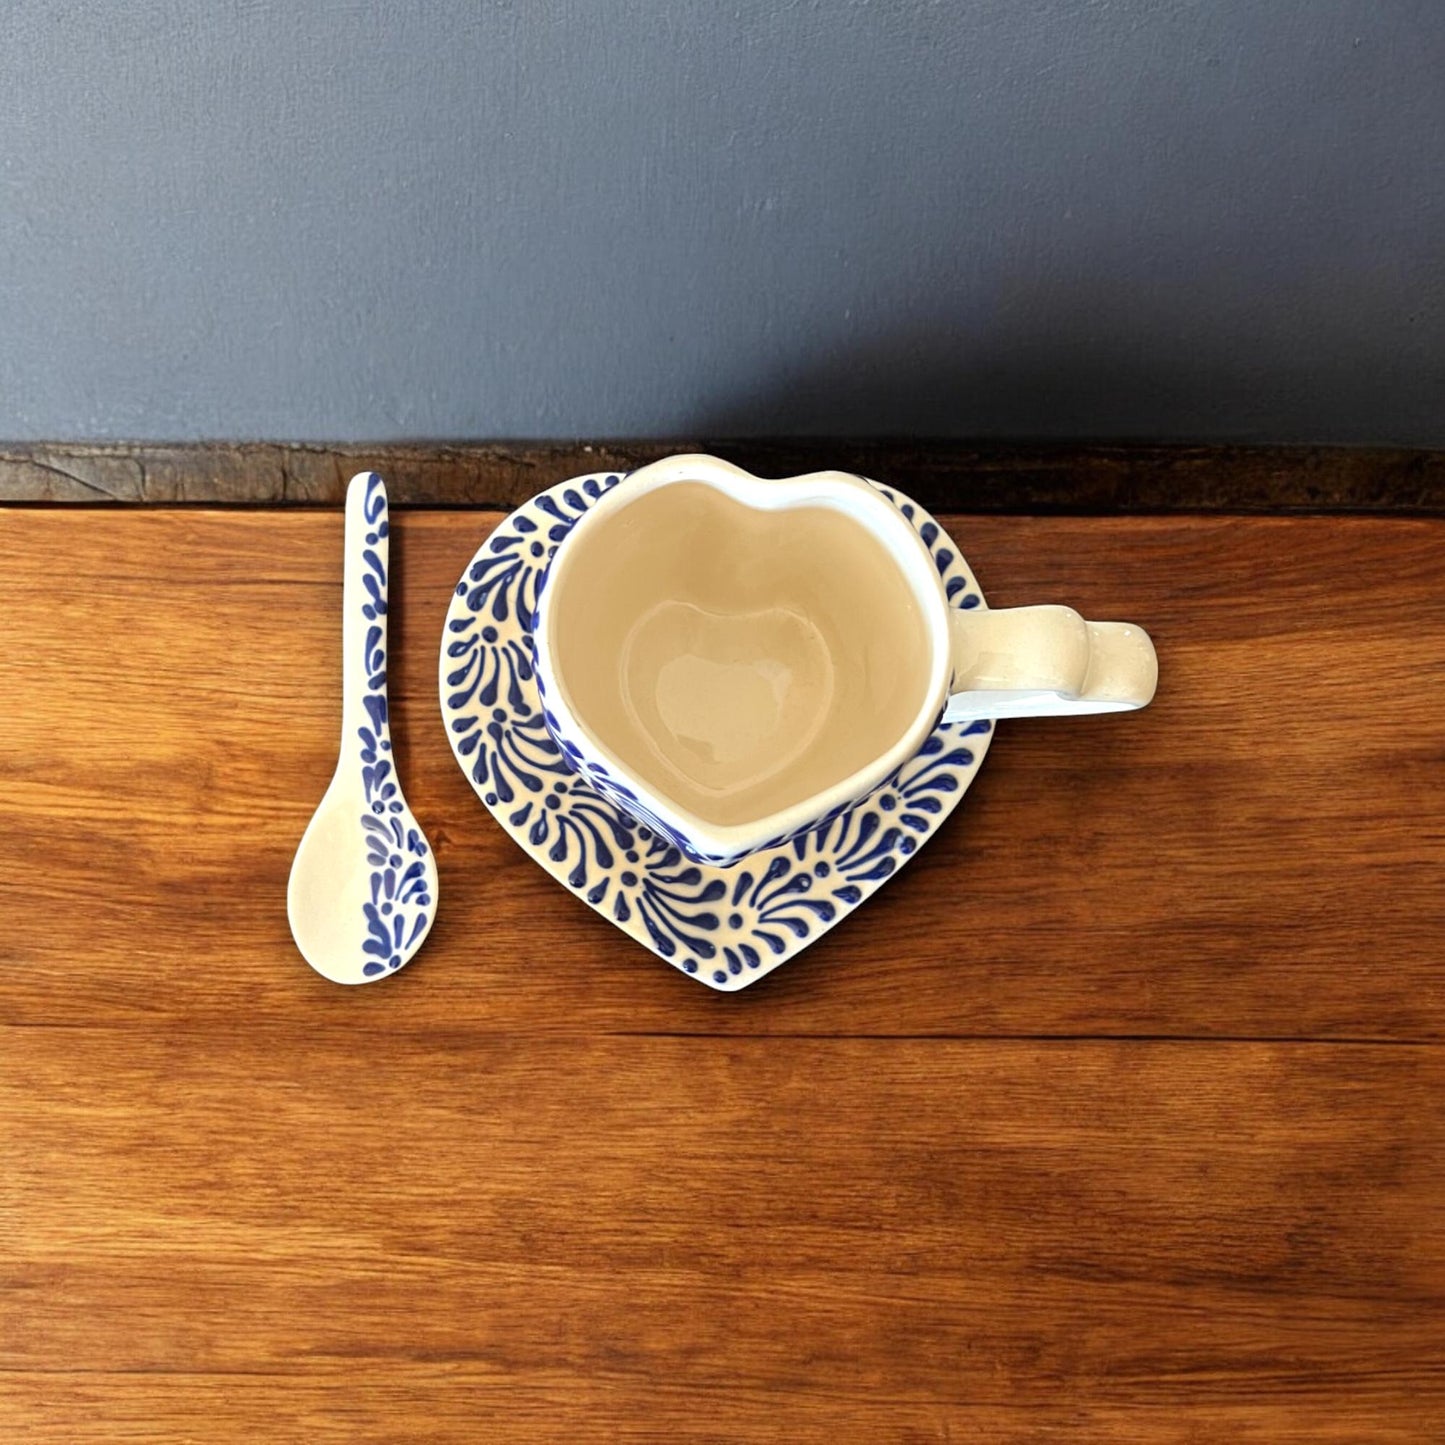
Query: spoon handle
<point>364,723</point>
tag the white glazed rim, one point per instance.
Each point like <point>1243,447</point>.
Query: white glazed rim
<point>838,490</point>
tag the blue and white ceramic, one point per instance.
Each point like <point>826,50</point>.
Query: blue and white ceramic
<point>778,558</point>
<point>363,890</point>
<point>725,926</point>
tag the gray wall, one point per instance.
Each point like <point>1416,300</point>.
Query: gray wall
<point>367,219</point>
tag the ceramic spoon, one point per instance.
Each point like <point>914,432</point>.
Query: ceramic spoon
<point>363,890</point>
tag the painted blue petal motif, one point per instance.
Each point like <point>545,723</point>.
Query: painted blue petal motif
<point>400,902</point>
<point>724,925</point>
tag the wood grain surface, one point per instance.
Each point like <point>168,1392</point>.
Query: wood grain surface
<point>1118,1116</point>
<point>944,475</point>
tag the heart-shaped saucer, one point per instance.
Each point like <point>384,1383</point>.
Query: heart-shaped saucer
<point>725,926</point>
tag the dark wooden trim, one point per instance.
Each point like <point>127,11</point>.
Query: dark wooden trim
<point>942,475</point>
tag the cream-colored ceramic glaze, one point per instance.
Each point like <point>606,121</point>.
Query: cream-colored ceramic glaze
<point>735,660</point>
<point>746,655</point>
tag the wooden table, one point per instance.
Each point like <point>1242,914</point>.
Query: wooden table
<point>1118,1116</point>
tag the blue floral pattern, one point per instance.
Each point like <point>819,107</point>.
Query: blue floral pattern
<point>396,911</point>
<point>725,926</point>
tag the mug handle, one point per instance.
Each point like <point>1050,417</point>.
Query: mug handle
<point>1046,662</point>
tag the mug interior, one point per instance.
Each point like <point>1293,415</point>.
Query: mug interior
<point>737,661</point>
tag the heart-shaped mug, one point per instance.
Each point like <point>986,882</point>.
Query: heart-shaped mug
<point>734,660</point>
